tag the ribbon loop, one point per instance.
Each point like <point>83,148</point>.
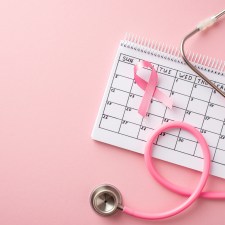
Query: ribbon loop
<point>150,88</point>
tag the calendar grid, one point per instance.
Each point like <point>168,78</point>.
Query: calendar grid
<point>206,86</point>
<point>122,121</point>
<point>182,93</point>
<point>152,129</point>
<point>173,106</point>
<point>120,110</point>
<point>204,120</point>
<point>163,118</point>
<point>158,145</point>
<point>178,136</point>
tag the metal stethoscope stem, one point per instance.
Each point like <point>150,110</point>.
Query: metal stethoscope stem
<point>201,26</point>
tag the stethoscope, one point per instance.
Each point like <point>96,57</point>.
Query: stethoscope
<point>106,199</point>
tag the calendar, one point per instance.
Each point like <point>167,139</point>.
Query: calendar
<point>194,101</point>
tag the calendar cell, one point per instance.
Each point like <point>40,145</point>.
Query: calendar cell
<point>175,114</point>
<point>179,84</point>
<point>144,133</point>
<point>197,106</point>
<point>110,123</point>
<point>179,100</point>
<point>174,132</point>
<point>201,92</point>
<point>157,108</point>
<point>144,73</point>
<point>129,129</point>
<point>134,101</point>
<point>218,99</point>
<point>216,111</point>
<point>132,115</point>
<point>166,92</point>
<point>187,135</point>
<point>167,140</point>
<point>165,81</point>
<point>114,110</point>
<point>212,124</point>
<point>210,137</point>
<point>137,90</point>
<point>152,121</point>
<point>199,153</point>
<point>117,96</point>
<point>189,146</point>
<point>122,83</point>
<point>125,69</point>
<point>220,156</point>
<point>194,119</point>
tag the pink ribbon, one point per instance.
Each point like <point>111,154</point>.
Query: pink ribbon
<point>150,88</point>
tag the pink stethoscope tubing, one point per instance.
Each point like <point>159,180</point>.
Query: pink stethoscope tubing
<point>198,190</point>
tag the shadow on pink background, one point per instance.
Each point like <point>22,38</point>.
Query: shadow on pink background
<point>55,58</point>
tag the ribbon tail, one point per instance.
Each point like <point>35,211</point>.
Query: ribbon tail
<point>146,100</point>
<point>163,98</point>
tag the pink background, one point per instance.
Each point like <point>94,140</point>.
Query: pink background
<point>55,57</point>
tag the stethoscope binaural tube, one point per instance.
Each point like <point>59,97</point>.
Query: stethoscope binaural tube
<point>101,195</point>
<point>201,26</point>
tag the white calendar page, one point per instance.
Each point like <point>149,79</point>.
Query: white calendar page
<point>118,122</point>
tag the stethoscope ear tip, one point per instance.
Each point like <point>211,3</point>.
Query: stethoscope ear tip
<point>106,200</point>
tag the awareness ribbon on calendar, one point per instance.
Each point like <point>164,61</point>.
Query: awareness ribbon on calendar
<point>150,88</point>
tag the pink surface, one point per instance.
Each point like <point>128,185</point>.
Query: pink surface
<point>51,53</point>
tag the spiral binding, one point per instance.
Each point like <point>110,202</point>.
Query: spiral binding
<point>169,52</point>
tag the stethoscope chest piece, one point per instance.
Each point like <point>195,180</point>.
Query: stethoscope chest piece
<point>106,200</point>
